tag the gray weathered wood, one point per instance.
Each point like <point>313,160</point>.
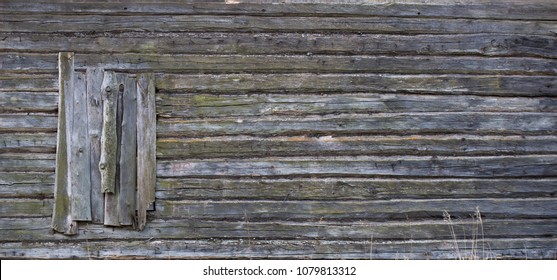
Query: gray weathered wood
<point>28,102</point>
<point>146,149</point>
<point>28,122</point>
<point>27,185</point>
<point>279,83</point>
<point>28,82</point>
<point>291,63</point>
<point>62,216</point>
<point>27,162</point>
<point>496,10</point>
<point>45,23</point>
<point>232,105</point>
<point>350,124</point>
<point>485,167</point>
<point>79,151</point>
<point>128,153</point>
<point>28,143</point>
<point>351,188</point>
<point>109,140</point>
<point>504,248</point>
<point>94,121</point>
<point>243,146</point>
<point>21,207</point>
<point>38,230</point>
<point>315,210</point>
<point>286,43</point>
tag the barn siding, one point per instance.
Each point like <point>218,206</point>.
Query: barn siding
<point>300,130</point>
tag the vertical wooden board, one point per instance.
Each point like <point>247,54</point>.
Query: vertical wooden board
<point>107,163</point>
<point>61,218</point>
<point>79,160</point>
<point>128,148</point>
<point>94,122</point>
<point>112,200</point>
<point>146,146</point>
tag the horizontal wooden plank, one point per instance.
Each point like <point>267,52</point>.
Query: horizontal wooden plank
<point>28,143</point>
<point>44,23</point>
<point>517,248</point>
<point>350,124</point>
<point>315,210</point>
<point>26,207</point>
<point>28,123</point>
<point>351,188</point>
<point>281,83</point>
<point>38,230</point>
<point>503,166</point>
<point>26,184</point>
<point>288,63</point>
<point>26,82</point>
<point>284,43</point>
<point>28,101</point>
<point>242,146</point>
<point>241,105</point>
<point>27,162</point>
<point>497,10</point>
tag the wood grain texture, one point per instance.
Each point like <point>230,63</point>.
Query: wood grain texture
<point>62,215</point>
<point>30,162</point>
<point>325,83</point>
<point>487,167</point>
<point>504,248</point>
<point>94,121</point>
<point>290,63</point>
<point>335,189</point>
<point>496,10</point>
<point>28,82</point>
<point>146,146</point>
<point>363,124</point>
<point>200,105</point>
<point>128,154</point>
<point>108,157</point>
<point>44,23</point>
<point>37,230</point>
<point>27,185</point>
<point>13,102</point>
<point>38,122</point>
<point>283,43</point>
<point>79,152</point>
<point>246,147</point>
<point>33,142</point>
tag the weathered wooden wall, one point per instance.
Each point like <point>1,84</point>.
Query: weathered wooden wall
<point>301,130</point>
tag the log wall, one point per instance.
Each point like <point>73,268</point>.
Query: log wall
<point>300,130</point>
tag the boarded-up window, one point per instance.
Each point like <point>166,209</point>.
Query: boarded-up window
<point>105,162</point>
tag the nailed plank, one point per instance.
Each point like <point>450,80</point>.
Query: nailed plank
<point>243,146</point>
<point>33,162</point>
<point>44,23</point>
<point>315,210</point>
<point>107,163</point>
<point>496,10</point>
<point>79,151</point>
<point>280,83</point>
<point>28,122</point>
<point>350,124</point>
<point>94,121</point>
<point>61,218</point>
<point>26,82</point>
<point>290,63</point>
<point>28,143</point>
<point>232,105</point>
<point>509,248</point>
<point>146,149</point>
<point>128,150</point>
<point>36,208</point>
<point>11,102</point>
<point>111,203</point>
<point>283,43</point>
<point>37,230</point>
<point>500,166</point>
<point>351,188</point>
<point>27,185</point>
